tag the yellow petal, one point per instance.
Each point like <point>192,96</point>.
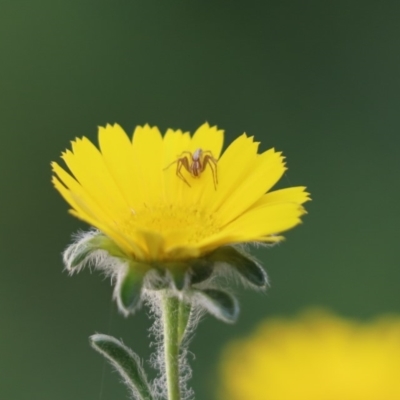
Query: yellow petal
<point>130,245</point>
<point>91,214</point>
<point>154,244</point>
<point>77,197</point>
<point>88,167</point>
<point>175,142</point>
<point>85,212</point>
<point>208,138</point>
<point>147,146</point>
<point>267,219</point>
<point>235,164</point>
<point>261,224</point>
<point>116,148</point>
<point>295,194</point>
<point>266,171</point>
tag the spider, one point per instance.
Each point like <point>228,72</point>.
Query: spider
<point>195,163</point>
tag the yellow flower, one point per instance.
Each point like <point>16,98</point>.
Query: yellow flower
<point>317,357</point>
<point>129,190</point>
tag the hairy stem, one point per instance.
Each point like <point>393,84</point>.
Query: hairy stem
<point>184,314</point>
<point>171,345</point>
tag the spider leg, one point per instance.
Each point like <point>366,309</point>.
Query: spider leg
<point>173,162</point>
<point>182,162</point>
<point>177,159</point>
<point>212,162</point>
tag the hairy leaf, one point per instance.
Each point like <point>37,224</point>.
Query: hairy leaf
<point>126,362</point>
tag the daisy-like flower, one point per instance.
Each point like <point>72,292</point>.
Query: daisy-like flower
<point>168,214</point>
<point>316,357</point>
<point>175,203</point>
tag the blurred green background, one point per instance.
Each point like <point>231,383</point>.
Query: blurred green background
<point>316,79</point>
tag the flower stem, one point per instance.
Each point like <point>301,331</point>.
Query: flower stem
<point>171,345</point>
<point>184,314</point>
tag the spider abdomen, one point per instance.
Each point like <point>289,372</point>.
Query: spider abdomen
<point>196,168</point>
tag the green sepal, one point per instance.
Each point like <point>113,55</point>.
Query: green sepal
<point>126,362</point>
<point>200,270</point>
<point>219,303</point>
<point>159,279</point>
<point>178,273</point>
<point>129,287</point>
<point>102,242</point>
<point>81,254</point>
<point>243,263</point>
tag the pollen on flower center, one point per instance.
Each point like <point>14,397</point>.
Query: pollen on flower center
<point>169,219</point>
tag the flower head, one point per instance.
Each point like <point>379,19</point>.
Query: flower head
<point>165,200</point>
<point>317,357</point>
<point>126,191</point>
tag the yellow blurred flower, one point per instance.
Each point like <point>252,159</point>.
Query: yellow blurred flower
<point>131,191</point>
<point>316,357</point>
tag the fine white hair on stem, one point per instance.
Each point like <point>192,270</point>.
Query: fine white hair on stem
<point>157,359</point>
<point>136,282</point>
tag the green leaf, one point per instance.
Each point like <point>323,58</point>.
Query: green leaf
<point>219,303</point>
<point>126,362</point>
<point>243,263</point>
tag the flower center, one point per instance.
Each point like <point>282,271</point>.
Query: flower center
<point>172,220</point>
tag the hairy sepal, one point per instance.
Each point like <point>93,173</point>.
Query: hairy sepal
<point>128,289</point>
<point>245,265</point>
<point>178,274</point>
<point>88,248</point>
<point>126,362</point>
<point>200,270</point>
<point>219,303</point>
